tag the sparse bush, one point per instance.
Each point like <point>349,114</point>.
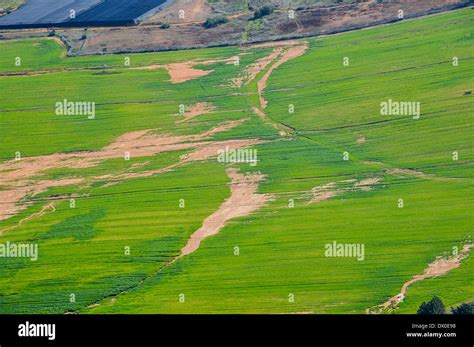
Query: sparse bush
<point>464,309</point>
<point>435,306</point>
<point>212,22</point>
<point>262,12</point>
<point>84,35</point>
<point>164,26</point>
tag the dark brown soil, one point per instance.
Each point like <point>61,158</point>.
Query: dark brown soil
<point>189,33</point>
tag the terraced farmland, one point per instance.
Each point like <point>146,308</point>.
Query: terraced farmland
<point>134,211</point>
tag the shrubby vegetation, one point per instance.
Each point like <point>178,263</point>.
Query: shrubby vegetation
<point>435,306</point>
<point>212,22</point>
<point>464,309</point>
<point>262,12</point>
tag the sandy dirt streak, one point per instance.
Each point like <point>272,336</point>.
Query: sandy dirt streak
<point>243,201</point>
<point>330,190</point>
<point>203,151</point>
<point>179,72</point>
<point>291,53</point>
<point>254,69</point>
<point>282,129</point>
<point>196,110</point>
<point>186,71</point>
<point>19,178</point>
<point>441,266</point>
<point>43,210</point>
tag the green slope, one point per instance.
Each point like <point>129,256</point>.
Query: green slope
<point>281,248</point>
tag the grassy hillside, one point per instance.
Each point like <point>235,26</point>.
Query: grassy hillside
<point>281,246</point>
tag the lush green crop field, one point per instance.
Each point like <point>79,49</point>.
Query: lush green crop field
<point>281,246</point>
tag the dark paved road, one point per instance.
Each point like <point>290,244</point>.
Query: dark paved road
<point>38,13</point>
<point>113,10</point>
<point>47,11</point>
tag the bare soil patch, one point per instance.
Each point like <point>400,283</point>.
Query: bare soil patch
<point>179,72</point>
<point>409,172</point>
<point>332,189</point>
<point>22,178</point>
<point>197,110</point>
<point>186,71</point>
<point>361,140</point>
<point>254,69</point>
<point>320,18</point>
<point>44,209</point>
<point>291,53</point>
<point>14,192</point>
<point>441,266</point>
<point>195,11</point>
<point>182,72</point>
<point>243,201</point>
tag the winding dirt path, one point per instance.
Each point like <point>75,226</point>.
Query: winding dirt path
<point>251,71</point>
<point>44,209</point>
<point>283,130</point>
<point>282,53</point>
<point>243,201</point>
<point>291,53</point>
<point>441,266</point>
<point>22,178</point>
<point>333,189</point>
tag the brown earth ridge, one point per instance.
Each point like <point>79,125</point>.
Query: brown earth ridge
<point>310,20</point>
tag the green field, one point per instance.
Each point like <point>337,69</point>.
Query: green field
<point>281,246</point>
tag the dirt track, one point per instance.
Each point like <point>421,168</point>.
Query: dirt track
<point>188,33</point>
<point>291,53</point>
<point>243,201</point>
<point>441,266</point>
<point>20,177</point>
<point>333,189</point>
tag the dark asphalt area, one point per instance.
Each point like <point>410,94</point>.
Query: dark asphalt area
<point>46,13</point>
